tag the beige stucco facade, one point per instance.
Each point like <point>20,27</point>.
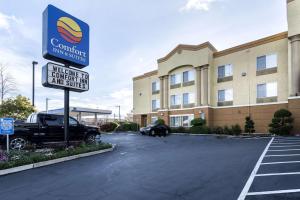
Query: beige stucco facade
<point>204,61</point>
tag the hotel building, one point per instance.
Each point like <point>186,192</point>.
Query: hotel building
<point>223,87</point>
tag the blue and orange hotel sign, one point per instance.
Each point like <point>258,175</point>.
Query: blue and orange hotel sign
<point>65,38</point>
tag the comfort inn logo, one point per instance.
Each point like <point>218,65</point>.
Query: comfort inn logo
<point>69,30</point>
<point>65,38</point>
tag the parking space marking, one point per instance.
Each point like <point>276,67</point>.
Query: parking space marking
<point>249,182</point>
<point>279,174</point>
<point>275,145</point>
<point>285,150</point>
<point>275,163</point>
<point>282,155</point>
<point>274,192</point>
<point>285,146</point>
<point>298,143</point>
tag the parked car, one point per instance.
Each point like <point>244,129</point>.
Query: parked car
<point>42,128</point>
<point>155,129</point>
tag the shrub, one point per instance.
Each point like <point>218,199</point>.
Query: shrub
<point>281,122</point>
<point>200,130</point>
<point>108,127</point>
<point>218,130</point>
<point>227,130</point>
<point>128,126</point>
<point>160,121</point>
<point>180,130</point>
<point>198,122</point>
<point>249,125</point>
<point>236,129</point>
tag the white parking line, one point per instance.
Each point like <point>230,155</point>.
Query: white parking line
<point>274,192</point>
<point>284,143</point>
<point>253,173</point>
<point>279,174</point>
<point>282,155</point>
<point>285,146</point>
<point>285,150</point>
<point>284,162</point>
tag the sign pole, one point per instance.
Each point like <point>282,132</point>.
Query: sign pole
<point>66,113</point>
<point>7,143</point>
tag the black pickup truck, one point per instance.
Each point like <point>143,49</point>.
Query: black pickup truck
<point>42,128</point>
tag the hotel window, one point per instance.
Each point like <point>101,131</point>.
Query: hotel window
<point>155,104</point>
<point>184,120</point>
<point>154,119</point>
<point>225,71</point>
<point>266,62</point>
<point>267,90</point>
<point>175,100</point>
<point>188,98</point>
<point>188,76</point>
<point>225,95</point>
<point>175,79</point>
<point>155,86</point>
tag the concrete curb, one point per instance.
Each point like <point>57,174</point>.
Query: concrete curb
<point>51,162</point>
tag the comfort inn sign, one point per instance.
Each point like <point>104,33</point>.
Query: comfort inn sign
<point>65,38</point>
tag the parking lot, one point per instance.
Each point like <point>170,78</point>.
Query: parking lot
<point>276,174</point>
<point>175,167</point>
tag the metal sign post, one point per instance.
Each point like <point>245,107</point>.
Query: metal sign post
<point>7,143</point>
<point>7,128</point>
<point>65,40</point>
<point>66,113</point>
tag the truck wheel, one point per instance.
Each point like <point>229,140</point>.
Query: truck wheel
<point>18,143</point>
<point>153,133</point>
<point>90,139</point>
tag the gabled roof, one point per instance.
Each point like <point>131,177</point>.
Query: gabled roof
<point>189,48</point>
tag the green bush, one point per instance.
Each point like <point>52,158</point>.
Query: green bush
<point>200,130</point>
<point>236,129</point>
<point>198,122</point>
<point>218,130</point>
<point>19,158</point>
<point>227,130</point>
<point>180,130</point>
<point>282,122</point>
<point>249,125</point>
<point>160,121</point>
<point>128,126</point>
<point>108,127</point>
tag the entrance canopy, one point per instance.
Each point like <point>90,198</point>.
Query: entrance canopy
<point>79,112</point>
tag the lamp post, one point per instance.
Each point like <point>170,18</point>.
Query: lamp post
<point>33,64</point>
<point>47,100</point>
<point>119,112</point>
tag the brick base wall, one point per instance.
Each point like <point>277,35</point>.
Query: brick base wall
<point>261,115</point>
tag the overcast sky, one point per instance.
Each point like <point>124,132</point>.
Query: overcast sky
<point>126,39</point>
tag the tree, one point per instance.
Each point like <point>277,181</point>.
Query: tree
<point>18,108</point>
<point>7,83</point>
<point>249,125</point>
<point>281,122</point>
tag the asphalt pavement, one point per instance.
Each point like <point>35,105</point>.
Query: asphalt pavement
<point>143,167</point>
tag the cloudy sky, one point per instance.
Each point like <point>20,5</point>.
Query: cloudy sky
<point>126,39</point>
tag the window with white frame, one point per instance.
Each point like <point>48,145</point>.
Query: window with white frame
<point>154,119</point>
<point>188,98</point>
<point>225,95</point>
<point>175,79</point>
<point>155,104</point>
<point>225,71</point>
<point>175,100</point>
<point>182,120</point>
<point>188,76</point>
<point>266,62</point>
<point>267,90</point>
<point>155,86</point>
